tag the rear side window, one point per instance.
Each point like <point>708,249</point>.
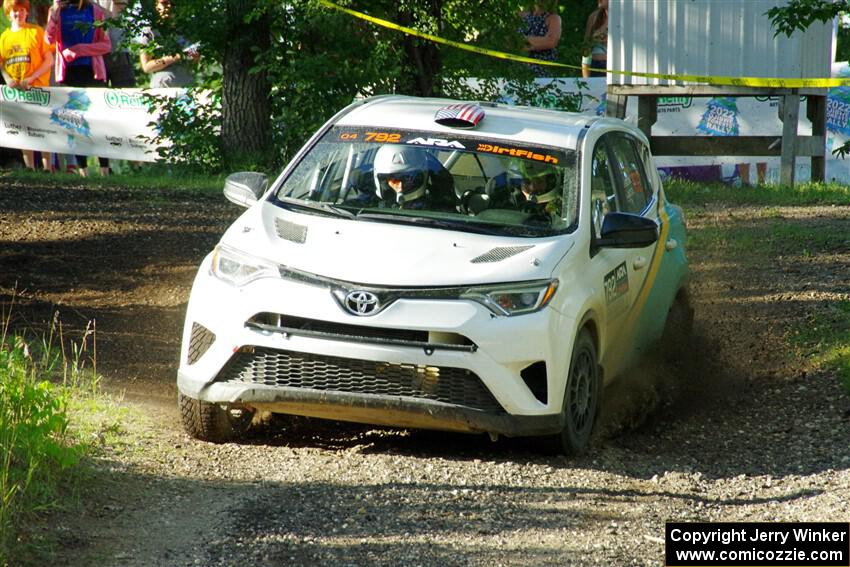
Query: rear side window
<point>636,192</point>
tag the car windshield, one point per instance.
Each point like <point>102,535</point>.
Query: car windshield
<point>458,182</point>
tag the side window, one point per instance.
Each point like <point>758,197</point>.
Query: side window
<point>603,198</point>
<point>636,190</point>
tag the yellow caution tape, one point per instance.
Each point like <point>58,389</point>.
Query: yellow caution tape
<point>774,82</point>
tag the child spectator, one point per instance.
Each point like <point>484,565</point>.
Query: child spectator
<point>80,47</point>
<point>26,59</point>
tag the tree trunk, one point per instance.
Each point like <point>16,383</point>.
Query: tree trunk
<point>424,56</point>
<point>245,105</point>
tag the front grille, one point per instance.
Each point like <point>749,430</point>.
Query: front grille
<point>360,333</point>
<point>272,367</point>
<point>200,340</point>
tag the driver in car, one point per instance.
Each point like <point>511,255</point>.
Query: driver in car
<point>406,178</point>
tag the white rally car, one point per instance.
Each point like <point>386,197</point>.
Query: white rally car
<point>432,264</point>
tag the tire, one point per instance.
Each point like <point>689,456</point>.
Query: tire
<point>678,329</point>
<point>583,396</point>
<point>212,422</point>
<point>582,400</point>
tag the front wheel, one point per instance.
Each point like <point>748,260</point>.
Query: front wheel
<point>212,422</point>
<point>582,398</point>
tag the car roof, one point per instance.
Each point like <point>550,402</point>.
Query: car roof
<point>501,121</point>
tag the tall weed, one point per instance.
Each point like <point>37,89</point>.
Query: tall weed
<point>37,450</point>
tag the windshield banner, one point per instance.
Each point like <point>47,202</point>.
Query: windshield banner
<point>112,123</point>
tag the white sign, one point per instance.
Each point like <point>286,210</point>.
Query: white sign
<point>721,116</point>
<point>112,123</point>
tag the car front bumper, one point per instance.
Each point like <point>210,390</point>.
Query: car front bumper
<point>480,387</point>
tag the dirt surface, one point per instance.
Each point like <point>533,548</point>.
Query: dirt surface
<point>745,430</point>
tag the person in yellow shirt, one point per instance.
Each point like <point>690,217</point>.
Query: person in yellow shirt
<point>25,59</point>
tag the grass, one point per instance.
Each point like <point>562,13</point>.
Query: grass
<point>691,193</point>
<point>766,233</point>
<point>825,339</point>
<point>147,176</point>
<point>43,386</point>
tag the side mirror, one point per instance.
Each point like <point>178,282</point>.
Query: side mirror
<point>245,188</point>
<point>625,230</point>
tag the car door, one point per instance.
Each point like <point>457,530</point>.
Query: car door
<point>619,183</point>
<point>635,195</point>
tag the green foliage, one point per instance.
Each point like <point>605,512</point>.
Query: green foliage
<point>798,15</point>
<point>187,129</point>
<point>34,447</point>
<point>40,447</point>
<point>322,59</point>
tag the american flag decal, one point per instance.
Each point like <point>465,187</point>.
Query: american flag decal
<point>461,115</point>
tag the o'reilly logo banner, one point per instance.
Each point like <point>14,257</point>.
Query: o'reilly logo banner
<point>33,96</point>
<point>125,100</point>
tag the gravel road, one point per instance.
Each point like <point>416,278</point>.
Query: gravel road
<point>744,430</point>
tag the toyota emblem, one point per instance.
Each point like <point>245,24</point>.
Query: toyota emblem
<point>362,303</point>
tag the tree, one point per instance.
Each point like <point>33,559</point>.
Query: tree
<point>798,15</point>
<point>282,69</point>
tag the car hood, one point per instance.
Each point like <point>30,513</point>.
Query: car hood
<point>389,254</point>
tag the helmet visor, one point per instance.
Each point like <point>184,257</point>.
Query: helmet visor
<point>403,182</point>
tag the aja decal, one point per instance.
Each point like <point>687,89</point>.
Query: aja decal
<point>616,283</point>
<point>437,142</point>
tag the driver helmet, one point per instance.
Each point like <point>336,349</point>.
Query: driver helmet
<point>538,181</point>
<point>401,173</point>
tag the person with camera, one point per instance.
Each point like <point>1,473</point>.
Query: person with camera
<point>173,70</point>
<point>73,26</point>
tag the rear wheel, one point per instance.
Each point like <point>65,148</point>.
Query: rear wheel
<point>213,422</point>
<point>676,339</point>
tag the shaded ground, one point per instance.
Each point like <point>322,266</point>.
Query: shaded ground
<point>745,430</point>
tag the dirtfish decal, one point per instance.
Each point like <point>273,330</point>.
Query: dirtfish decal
<point>720,118</point>
<point>32,96</point>
<point>71,115</point>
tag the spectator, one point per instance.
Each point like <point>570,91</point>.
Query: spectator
<point>26,60</point>
<point>80,47</point>
<point>542,31</point>
<point>120,71</point>
<point>595,61</point>
<point>168,70</point>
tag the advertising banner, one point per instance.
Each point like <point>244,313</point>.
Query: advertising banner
<point>112,123</point>
<point>721,116</point>
<point>118,123</point>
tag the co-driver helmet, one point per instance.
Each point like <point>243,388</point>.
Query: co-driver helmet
<point>539,181</point>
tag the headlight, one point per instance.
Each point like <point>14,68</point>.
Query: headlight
<point>237,268</point>
<point>517,299</point>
